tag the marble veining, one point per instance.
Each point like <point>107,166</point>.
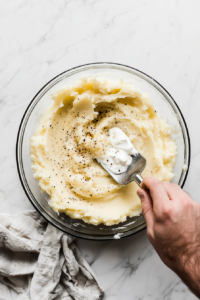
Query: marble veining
<point>40,39</point>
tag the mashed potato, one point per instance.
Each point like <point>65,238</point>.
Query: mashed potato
<point>74,132</point>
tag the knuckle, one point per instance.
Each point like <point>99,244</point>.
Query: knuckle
<point>145,209</point>
<point>155,183</point>
<point>166,213</point>
<point>166,184</point>
<point>175,185</point>
<point>186,203</point>
<point>151,180</point>
<point>151,183</point>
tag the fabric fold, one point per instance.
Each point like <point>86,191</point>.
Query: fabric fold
<point>40,262</point>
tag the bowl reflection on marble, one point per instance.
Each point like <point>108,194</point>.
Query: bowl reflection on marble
<point>165,106</point>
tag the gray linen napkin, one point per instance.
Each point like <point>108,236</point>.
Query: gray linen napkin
<point>41,263</point>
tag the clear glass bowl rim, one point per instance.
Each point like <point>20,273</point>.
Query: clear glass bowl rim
<point>22,127</point>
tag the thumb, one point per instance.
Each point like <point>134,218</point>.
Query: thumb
<point>147,208</point>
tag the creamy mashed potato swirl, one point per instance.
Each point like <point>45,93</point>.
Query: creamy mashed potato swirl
<point>74,132</point>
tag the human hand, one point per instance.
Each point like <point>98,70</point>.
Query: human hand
<point>173,228</point>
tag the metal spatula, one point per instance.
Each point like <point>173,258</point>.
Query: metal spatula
<point>132,173</point>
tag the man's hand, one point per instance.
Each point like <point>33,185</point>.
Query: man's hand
<point>173,228</point>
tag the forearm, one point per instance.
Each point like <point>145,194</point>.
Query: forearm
<point>189,272</point>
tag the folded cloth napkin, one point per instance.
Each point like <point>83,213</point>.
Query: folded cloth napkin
<point>42,263</point>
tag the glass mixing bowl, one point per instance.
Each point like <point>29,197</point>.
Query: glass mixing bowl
<point>165,106</point>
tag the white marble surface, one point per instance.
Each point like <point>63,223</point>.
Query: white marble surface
<point>41,38</point>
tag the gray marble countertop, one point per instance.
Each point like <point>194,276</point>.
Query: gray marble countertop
<point>40,39</point>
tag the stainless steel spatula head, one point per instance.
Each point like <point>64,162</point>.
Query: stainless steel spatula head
<point>133,171</point>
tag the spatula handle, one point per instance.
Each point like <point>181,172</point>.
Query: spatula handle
<point>138,179</point>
